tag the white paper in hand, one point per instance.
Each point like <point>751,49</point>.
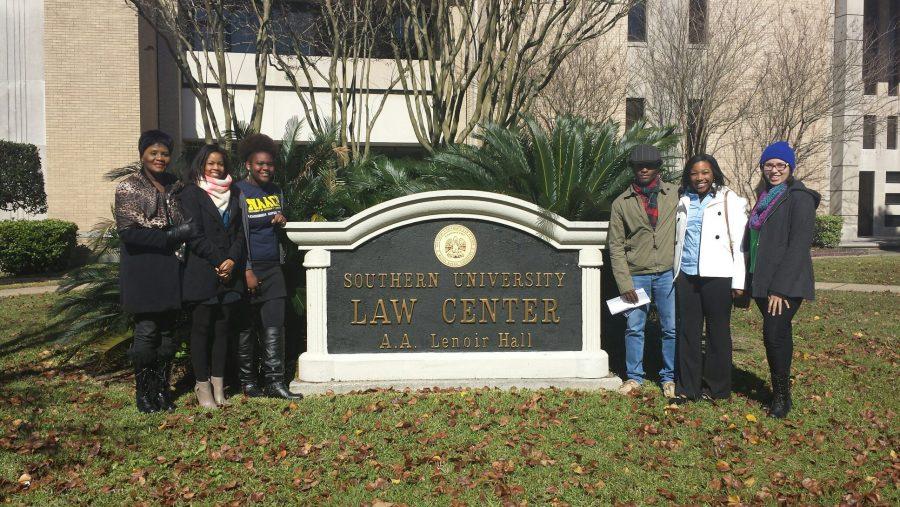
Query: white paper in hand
<point>619,305</point>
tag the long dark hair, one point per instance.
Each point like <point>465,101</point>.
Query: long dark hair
<point>195,172</point>
<point>718,176</point>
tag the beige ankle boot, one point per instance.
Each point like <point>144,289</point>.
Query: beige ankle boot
<point>218,390</point>
<point>203,390</point>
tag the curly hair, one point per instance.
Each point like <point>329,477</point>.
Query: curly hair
<point>151,137</point>
<point>255,143</point>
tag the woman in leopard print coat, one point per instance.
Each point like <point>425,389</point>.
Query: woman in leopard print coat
<point>152,231</point>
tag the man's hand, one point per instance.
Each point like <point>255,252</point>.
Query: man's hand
<point>630,296</point>
<point>279,220</point>
<point>737,293</point>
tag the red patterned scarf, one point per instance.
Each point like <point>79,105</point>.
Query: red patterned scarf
<point>649,196</point>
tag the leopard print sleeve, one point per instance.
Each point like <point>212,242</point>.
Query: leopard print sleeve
<point>128,209</point>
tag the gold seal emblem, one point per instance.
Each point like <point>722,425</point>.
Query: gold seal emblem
<point>455,246</point>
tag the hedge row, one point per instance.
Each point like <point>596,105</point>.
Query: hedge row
<point>36,246</point>
<point>828,231</point>
<point>23,182</point>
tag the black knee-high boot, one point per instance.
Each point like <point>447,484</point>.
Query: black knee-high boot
<point>246,359</point>
<point>781,396</point>
<point>145,395</point>
<point>164,399</point>
<point>273,364</point>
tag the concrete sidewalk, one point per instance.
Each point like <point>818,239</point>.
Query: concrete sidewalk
<point>857,287</point>
<point>24,291</point>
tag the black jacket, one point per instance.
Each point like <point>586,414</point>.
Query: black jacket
<point>213,244</point>
<point>149,271</point>
<point>783,260</point>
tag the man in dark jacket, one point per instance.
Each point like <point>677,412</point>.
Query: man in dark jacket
<point>642,252</point>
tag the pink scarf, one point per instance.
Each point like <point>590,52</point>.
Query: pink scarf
<point>218,190</point>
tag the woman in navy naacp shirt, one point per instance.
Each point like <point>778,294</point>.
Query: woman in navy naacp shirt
<point>262,213</point>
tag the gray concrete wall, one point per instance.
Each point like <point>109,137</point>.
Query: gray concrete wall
<point>22,77</point>
<point>22,72</point>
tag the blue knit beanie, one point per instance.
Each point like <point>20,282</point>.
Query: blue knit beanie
<point>781,150</point>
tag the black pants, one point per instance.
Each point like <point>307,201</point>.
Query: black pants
<point>154,338</point>
<point>703,299</point>
<point>269,313</point>
<point>778,335</point>
<point>208,355</point>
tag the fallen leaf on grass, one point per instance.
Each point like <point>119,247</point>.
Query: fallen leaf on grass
<point>722,466</point>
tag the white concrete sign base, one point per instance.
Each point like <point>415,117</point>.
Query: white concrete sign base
<point>576,384</point>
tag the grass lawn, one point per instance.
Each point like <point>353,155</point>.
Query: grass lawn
<point>873,269</point>
<point>70,437</point>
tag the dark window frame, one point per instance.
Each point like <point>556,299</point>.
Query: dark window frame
<point>698,17</point>
<point>870,124</point>
<point>635,110</point>
<point>637,22</point>
<point>891,133</point>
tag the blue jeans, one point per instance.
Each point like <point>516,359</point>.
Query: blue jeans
<point>661,289</point>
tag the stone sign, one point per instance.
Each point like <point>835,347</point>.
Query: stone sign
<point>452,285</point>
<point>487,287</point>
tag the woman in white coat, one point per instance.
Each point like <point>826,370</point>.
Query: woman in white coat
<point>709,273</point>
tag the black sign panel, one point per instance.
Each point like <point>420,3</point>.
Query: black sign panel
<point>395,294</point>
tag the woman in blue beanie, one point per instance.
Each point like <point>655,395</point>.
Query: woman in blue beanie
<point>780,235</point>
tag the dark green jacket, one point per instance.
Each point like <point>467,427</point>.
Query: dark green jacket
<point>636,248</point>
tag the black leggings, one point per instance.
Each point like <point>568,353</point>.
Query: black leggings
<point>777,335</point>
<point>270,313</point>
<point>704,299</point>
<point>154,338</point>
<point>208,359</point>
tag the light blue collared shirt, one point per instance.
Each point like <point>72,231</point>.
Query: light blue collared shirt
<point>690,254</point>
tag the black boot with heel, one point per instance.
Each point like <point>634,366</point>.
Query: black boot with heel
<point>247,364</point>
<point>273,365</point>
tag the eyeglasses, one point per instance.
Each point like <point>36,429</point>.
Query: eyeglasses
<point>771,166</point>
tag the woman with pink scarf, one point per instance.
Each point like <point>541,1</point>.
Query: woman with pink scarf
<point>213,285</point>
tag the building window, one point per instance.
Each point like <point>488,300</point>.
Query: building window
<point>892,220</point>
<point>637,22</point>
<point>892,177</point>
<point>696,126</point>
<point>892,132</point>
<point>881,45</point>
<point>868,132</point>
<point>697,21</point>
<point>891,199</point>
<point>634,111</point>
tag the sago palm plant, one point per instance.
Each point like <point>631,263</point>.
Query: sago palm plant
<point>575,170</point>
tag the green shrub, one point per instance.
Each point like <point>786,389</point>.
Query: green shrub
<point>23,182</point>
<point>828,231</point>
<point>38,246</point>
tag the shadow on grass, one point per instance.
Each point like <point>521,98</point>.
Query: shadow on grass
<point>750,385</point>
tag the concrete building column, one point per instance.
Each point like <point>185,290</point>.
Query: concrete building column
<point>844,181</point>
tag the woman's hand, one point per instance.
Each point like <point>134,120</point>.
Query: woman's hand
<point>775,304</point>
<point>737,293</point>
<point>279,220</point>
<point>252,281</point>
<point>224,269</point>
